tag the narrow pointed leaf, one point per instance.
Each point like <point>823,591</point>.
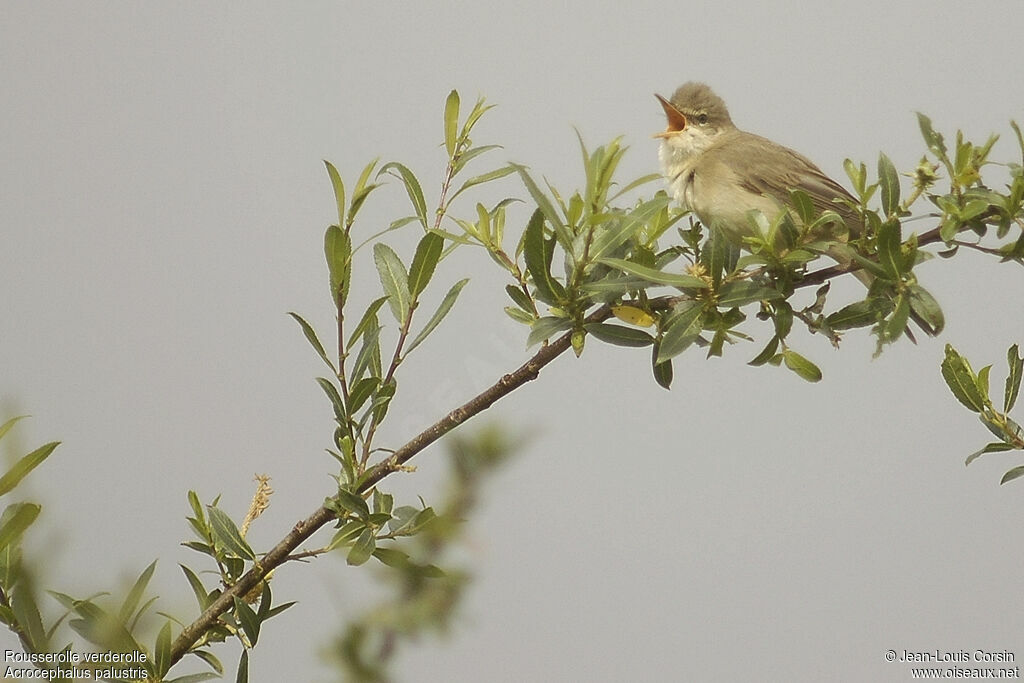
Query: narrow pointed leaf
<point>394,280</point>
<point>543,203</point>
<point>743,292</point>
<point>162,654</point>
<point>247,618</point>
<point>484,178</point>
<point>889,181</point>
<point>662,371</point>
<point>619,335</point>
<point>654,275</point>
<point>412,188</point>
<point>25,465</point>
<point>539,253</point>
<point>6,426</point>
<point>338,251</point>
<point>368,321</point>
<point>889,255</point>
<point>428,252</point>
<point>1013,377</point>
<point>243,668</point>
<point>1012,474</point>
<point>451,121</point>
<point>995,447</point>
<point>684,326</point>
<point>314,341</point>
<point>227,535</point>
<point>19,517</point>
<point>545,327</point>
<point>439,314</point>
<point>339,190</point>
<point>924,305</point>
<point>857,314</point>
<point>138,589</point>
<point>961,380</point>
<point>362,550</point>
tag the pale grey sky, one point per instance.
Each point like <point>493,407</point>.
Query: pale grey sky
<point>162,205</point>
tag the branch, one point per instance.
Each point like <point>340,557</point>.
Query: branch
<point>279,554</point>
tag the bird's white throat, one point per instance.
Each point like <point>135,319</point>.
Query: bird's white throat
<point>678,155</point>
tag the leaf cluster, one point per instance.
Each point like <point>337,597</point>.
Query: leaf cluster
<point>971,389</point>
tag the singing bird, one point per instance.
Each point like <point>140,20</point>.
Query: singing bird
<point>721,173</point>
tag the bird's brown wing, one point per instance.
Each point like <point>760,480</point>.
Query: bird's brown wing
<point>767,168</point>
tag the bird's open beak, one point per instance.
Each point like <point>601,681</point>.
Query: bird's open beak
<point>676,120</point>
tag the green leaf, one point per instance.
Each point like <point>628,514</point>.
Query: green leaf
<point>1013,376</point>
<point>25,465</point>
<point>619,335</point>
<point>368,321</point>
<point>889,255</point>
<point>662,371</point>
<point>483,178</point>
<point>743,292</point>
<point>394,280</point>
<point>25,609</point>
<point>713,257</point>
<point>439,314</point>
<point>162,653</point>
<point>469,155</point>
<point>335,398</point>
<point>352,502</point>
<point>412,188</point>
<point>520,298</point>
<point>338,250</point>
<point>1012,474</point>
<point>803,205</point>
<point>243,668</point>
<point>361,391</point>
<point>982,380</point>
<point>801,366</point>
<point>897,323</point>
<point>539,253</point>
<point>857,314</point>
<point>682,328</point>
<point>544,204</point>
<point>368,358</point>
<point>767,353</point>
<point>926,307</point>
<point>428,253</point>
<point>227,535</point>
<point>654,275</point>
<point>339,190</point>
<point>16,518</point>
<point>931,138</point>
<point>611,235</point>
<point>362,549</point>
<point>545,327</point>
<point>997,447</point>
<point>391,557</point>
<point>202,596</point>
<point>961,380</point>
<point>131,600</point>
<point>890,184</point>
<point>451,121</point>
<point>313,340</point>
<point>247,618</point>
<point>6,426</point>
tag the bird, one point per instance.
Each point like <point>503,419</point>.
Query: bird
<point>721,173</point>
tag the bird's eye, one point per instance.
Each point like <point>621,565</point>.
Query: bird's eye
<point>702,119</point>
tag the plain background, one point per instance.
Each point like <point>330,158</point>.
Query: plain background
<point>162,205</point>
